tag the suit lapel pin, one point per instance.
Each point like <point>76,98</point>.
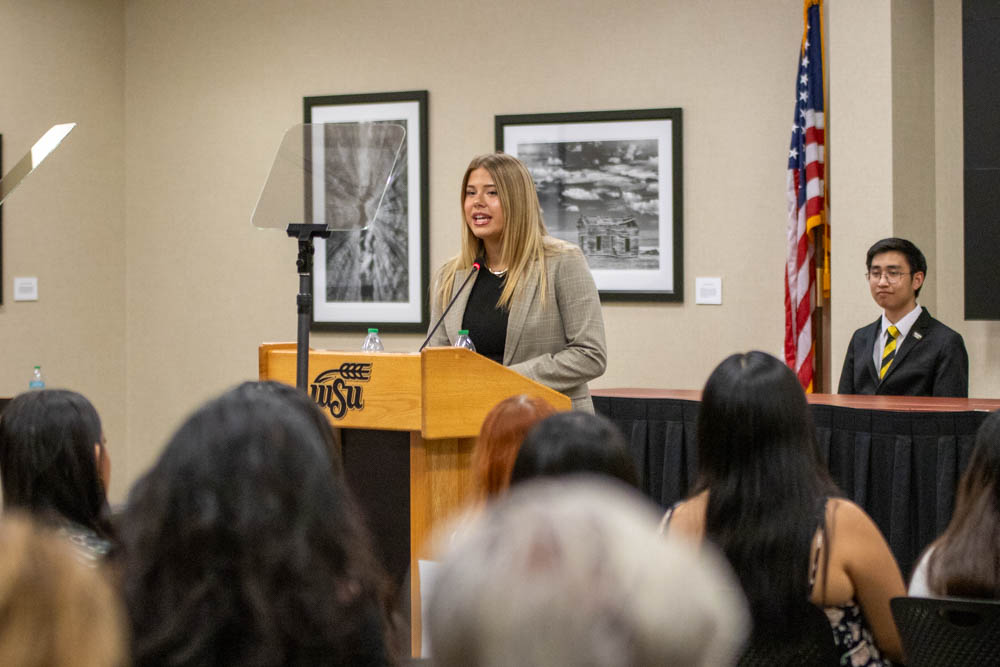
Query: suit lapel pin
<point>917,335</point>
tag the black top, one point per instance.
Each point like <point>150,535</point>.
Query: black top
<point>486,323</point>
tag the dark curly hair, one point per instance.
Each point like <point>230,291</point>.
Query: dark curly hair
<point>47,461</point>
<point>242,546</point>
<point>298,399</point>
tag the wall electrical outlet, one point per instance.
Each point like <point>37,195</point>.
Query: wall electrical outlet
<point>26,289</point>
<point>708,291</point>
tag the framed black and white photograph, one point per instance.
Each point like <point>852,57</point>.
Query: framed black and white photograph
<point>610,181</point>
<point>374,275</point>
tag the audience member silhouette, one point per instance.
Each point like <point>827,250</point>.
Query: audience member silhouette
<point>242,546</point>
<point>54,464</point>
<point>500,439</point>
<point>300,401</point>
<point>765,499</point>
<point>574,442</point>
<point>572,572</point>
<point>965,560</point>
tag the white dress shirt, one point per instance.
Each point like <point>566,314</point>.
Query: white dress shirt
<point>904,325</point>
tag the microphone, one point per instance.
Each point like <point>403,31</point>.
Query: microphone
<point>476,266</point>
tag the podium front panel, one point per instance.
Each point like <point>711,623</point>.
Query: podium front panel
<point>379,390</point>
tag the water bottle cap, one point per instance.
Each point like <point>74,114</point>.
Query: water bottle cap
<point>373,331</point>
<point>463,332</point>
<point>38,368</point>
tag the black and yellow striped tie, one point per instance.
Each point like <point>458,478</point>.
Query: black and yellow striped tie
<point>889,353</point>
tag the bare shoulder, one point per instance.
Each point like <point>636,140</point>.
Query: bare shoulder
<point>844,517</point>
<point>841,512</point>
<point>688,517</point>
<point>853,532</point>
<point>860,552</point>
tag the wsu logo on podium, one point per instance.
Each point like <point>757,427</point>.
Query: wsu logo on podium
<point>333,390</point>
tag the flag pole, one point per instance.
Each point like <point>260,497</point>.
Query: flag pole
<point>821,382</point>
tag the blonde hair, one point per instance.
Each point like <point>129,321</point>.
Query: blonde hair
<point>525,242</point>
<point>54,610</point>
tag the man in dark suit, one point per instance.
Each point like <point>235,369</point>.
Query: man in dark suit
<point>906,352</point>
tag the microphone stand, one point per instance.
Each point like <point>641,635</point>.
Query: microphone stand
<point>304,263</point>
<point>476,266</point>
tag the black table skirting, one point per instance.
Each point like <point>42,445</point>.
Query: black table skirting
<point>901,467</point>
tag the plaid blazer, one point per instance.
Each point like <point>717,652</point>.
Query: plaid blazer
<point>559,344</point>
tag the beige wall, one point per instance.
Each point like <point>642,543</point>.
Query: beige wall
<point>181,300</point>
<point>65,61</point>
<point>896,162</point>
<point>212,86</point>
<point>982,339</point>
<point>913,184</point>
<point>859,51</point>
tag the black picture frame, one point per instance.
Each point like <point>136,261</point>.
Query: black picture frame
<point>400,248</point>
<point>609,170</point>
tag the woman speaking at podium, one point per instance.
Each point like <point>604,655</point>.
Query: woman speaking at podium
<point>533,305</point>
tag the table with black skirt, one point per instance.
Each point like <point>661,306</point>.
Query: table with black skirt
<point>899,458</point>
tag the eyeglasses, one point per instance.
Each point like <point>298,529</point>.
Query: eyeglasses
<point>892,275</point>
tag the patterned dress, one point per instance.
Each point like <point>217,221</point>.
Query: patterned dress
<point>854,640</point>
<point>90,548</point>
<point>851,634</point>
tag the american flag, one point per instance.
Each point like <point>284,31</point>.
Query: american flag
<point>805,199</point>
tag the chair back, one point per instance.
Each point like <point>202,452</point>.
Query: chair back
<point>812,645</point>
<point>948,631</point>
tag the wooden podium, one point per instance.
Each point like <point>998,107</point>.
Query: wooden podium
<point>409,422</point>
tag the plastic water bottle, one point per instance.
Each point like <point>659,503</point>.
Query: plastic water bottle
<point>37,381</point>
<point>372,342</point>
<point>463,340</point>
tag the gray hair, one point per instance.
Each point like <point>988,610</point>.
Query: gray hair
<point>573,572</point>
